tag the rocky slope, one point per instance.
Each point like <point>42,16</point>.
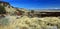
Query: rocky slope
<point>10,9</point>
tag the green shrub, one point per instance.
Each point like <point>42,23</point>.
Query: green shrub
<point>2,10</point>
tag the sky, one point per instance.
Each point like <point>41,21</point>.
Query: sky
<point>34,4</point>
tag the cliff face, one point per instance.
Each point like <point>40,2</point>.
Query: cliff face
<point>10,9</point>
<point>7,7</point>
<point>4,3</point>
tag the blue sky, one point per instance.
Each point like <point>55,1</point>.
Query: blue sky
<point>34,4</point>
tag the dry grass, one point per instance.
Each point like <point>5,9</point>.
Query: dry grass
<point>30,23</point>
